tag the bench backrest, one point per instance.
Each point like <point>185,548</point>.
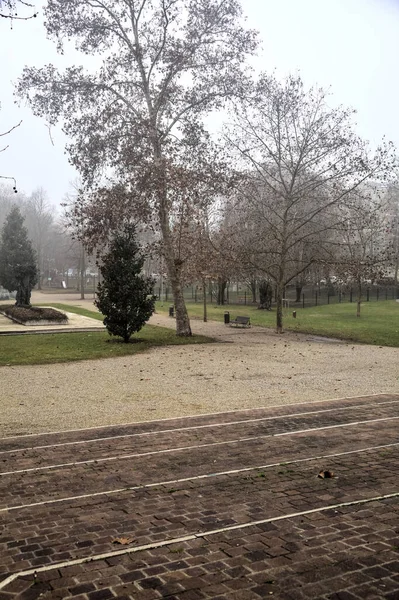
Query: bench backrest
<point>243,320</point>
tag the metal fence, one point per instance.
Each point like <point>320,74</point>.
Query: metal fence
<point>310,295</point>
<point>315,296</point>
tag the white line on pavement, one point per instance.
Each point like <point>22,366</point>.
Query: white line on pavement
<point>193,427</point>
<point>200,415</point>
<point>185,479</point>
<point>187,538</point>
<point>177,449</point>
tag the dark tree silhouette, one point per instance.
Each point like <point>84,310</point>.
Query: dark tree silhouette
<point>17,259</point>
<point>125,295</point>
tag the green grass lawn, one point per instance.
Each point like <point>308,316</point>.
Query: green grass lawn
<point>65,347</point>
<point>378,323</point>
<point>93,314</point>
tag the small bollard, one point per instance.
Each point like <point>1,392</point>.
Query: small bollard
<point>226,317</point>
<point>171,311</point>
<point>294,314</point>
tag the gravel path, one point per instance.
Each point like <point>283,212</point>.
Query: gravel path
<point>243,369</point>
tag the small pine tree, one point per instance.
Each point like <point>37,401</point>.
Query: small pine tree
<point>17,259</point>
<point>125,295</point>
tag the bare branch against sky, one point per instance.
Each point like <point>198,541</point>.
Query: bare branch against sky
<point>15,10</point>
<point>352,47</point>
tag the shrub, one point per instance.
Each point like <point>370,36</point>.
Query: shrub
<point>17,259</point>
<point>124,296</point>
<point>33,313</point>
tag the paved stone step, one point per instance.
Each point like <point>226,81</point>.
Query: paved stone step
<point>188,434</point>
<point>31,441</point>
<point>190,459</point>
<point>40,535</point>
<point>328,556</point>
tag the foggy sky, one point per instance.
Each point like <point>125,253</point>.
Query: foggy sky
<point>350,45</point>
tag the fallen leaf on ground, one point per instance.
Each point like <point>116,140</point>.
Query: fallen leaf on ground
<point>326,474</point>
<point>122,540</point>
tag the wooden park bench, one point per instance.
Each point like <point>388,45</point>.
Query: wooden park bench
<point>241,321</point>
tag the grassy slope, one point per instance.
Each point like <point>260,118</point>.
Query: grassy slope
<point>378,323</point>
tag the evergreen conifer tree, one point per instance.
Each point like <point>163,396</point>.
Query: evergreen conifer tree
<point>125,295</point>
<point>18,269</point>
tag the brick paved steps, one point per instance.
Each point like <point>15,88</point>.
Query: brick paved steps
<point>320,556</point>
<point>343,553</point>
<point>96,449</point>
<point>29,441</point>
<point>52,533</point>
<point>37,486</point>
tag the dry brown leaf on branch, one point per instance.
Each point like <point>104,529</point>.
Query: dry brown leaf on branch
<point>122,540</point>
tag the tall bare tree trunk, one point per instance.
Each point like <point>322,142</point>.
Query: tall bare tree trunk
<point>82,272</point>
<point>173,263</point>
<point>222,283</point>
<point>39,271</point>
<point>279,307</point>
<point>205,307</point>
<point>173,266</point>
<point>359,298</point>
<point>298,291</point>
<point>280,292</point>
<point>183,328</point>
<point>253,290</point>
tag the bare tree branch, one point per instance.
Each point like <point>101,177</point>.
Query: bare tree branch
<point>10,130</point>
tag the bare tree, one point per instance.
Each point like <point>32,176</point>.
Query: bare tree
<point>3,149</point>
<point>9,10</point>
<point>203,262</point>
<point>39,220</point>
<point>392,227</point>
<point>363,252</point>
<point>7,201</point>
<point>166,64</point>
<point>301,160</point>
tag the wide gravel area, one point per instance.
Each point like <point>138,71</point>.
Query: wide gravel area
<point>245,368</point>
